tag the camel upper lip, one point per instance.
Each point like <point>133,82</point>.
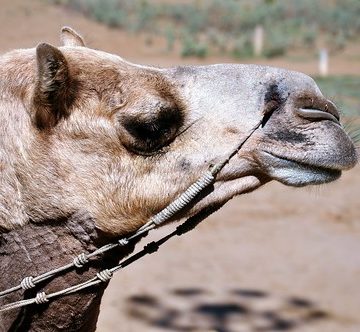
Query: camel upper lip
<point>316,114</point>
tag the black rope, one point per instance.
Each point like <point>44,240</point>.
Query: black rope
<point>185,227</point>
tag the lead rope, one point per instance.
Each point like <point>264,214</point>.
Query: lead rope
<point>105,275</point>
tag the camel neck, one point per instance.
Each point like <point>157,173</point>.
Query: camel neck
<point>35,249</point>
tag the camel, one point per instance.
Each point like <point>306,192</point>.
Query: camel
<point>92,146</point>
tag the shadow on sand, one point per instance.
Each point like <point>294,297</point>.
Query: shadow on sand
<point>195,309</point>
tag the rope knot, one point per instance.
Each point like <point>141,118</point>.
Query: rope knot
<point>80,260</point>
<point>104,275</point>
<point>151,247</point>
<point>123,242</point>
<point>27,283</point>
<point>41,298</point>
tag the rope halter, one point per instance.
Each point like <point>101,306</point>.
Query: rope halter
<point>104,276</point>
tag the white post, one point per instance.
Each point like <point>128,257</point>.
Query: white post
<point>323,62</point>
<point>258,40</point>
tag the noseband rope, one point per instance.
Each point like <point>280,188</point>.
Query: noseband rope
<point>161,217</point>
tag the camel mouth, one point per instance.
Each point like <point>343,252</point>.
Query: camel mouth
<point>299,173</point>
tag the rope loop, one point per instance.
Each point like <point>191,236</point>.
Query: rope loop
<point>104,275</point>
<point>80,260</point>
<point>41,298</point>
<point>123,242</point>
<point>27,283</point>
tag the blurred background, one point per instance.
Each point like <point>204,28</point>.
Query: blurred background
<point>279,259</point>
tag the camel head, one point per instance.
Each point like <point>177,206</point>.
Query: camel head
<point>120,141</point>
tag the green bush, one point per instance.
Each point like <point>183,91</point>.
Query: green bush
<point>192,47</point>
<point>344,91</point>
<point>170,38</point>
<point>243,47</point>
<point>109,12</point>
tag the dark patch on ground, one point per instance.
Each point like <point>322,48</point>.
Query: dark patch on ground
<point>203,311</point>
<point>188,292</point>
<point>249,293</point>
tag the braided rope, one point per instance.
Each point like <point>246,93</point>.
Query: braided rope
<point>184,199</point>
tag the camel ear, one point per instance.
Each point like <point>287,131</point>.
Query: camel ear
<point>53,94</point>
<point>69,37</point>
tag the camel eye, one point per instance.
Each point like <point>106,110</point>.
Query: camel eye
<point>151,129</point>
<point>147,134</point>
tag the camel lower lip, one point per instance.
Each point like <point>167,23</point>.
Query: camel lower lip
<point>303,164</point>
<point>322,174</point>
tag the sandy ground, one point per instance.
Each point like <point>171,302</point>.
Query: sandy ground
<point>279,259</point>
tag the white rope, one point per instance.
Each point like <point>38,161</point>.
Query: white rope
<point>27,283</point>
<point>184,199</point>
<point>41,298</point>
<point>81,260</point>
<point>123,242</point>
<point>104,276</point>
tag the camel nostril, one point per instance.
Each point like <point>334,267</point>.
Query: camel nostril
<point>316,108</point>
<point>316,114</point>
